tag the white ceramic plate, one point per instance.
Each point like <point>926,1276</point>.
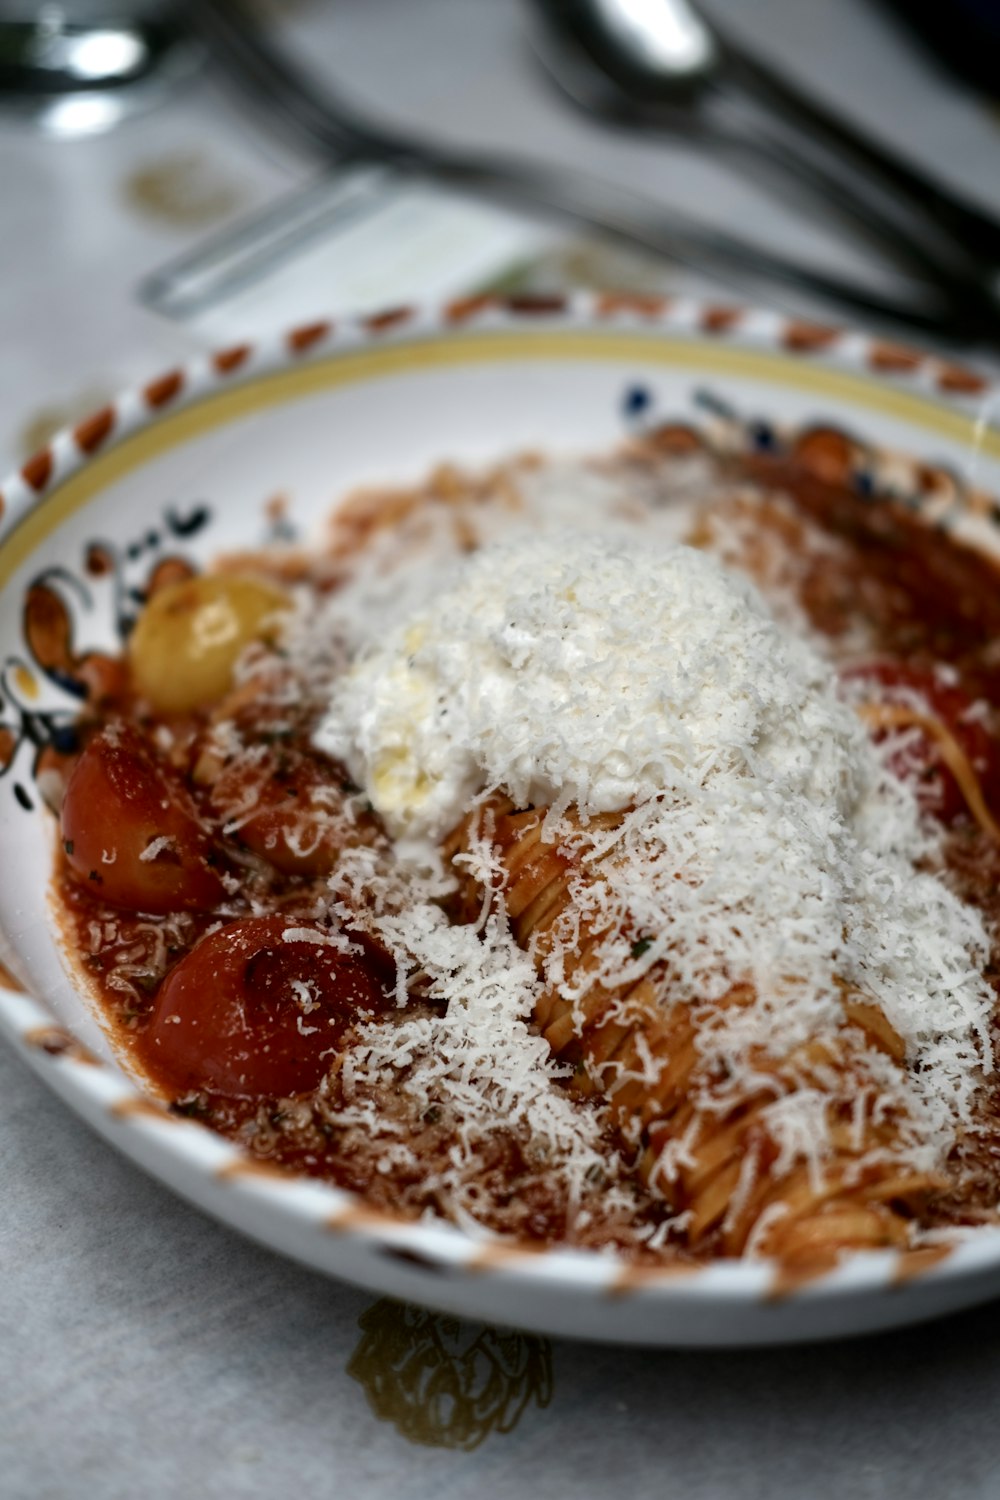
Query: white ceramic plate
<point>189,464</point>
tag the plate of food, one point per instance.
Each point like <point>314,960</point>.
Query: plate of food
<point>502,804</point>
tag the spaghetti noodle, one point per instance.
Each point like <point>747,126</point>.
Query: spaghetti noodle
<point>718,1169</point>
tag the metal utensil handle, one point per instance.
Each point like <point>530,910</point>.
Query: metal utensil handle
<point>336,135</point>
<point>257,243</point>
<point>838,186</point>
<point>976,232</point>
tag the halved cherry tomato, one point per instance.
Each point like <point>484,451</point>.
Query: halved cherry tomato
<point>921,762</point>
<point>130,830</point>
<point>259,1008</point>
<point>299,824</point>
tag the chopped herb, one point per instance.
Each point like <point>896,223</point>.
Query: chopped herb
<point>68,845</point>
<point>641,947</point>
<point>192,1109</point>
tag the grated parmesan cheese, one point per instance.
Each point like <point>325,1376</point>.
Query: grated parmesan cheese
<point>162,844</point>
<point>480,1061</point>
<point>762,839</point>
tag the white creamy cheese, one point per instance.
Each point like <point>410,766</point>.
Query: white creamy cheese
<point>594,669</point>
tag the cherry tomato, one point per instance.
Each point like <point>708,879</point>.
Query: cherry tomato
<point>259,1008</point>
<point>921,762</point>
<point>130,830</point>
<point>299,824</point>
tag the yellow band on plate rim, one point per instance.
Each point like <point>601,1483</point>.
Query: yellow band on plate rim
<point>217,406</point>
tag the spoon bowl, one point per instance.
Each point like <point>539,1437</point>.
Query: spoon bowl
<point>650,50</point>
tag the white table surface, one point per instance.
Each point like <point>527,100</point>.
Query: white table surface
<point>144,1349</point>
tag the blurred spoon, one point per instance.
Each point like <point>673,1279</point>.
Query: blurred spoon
<point>660,61</point>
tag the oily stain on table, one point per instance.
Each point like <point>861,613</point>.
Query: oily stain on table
<point>445,1383</point>
<point>186,189</point>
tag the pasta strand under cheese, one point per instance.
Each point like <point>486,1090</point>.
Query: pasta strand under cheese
<point>900,716</point>
<point>720,1171</point>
